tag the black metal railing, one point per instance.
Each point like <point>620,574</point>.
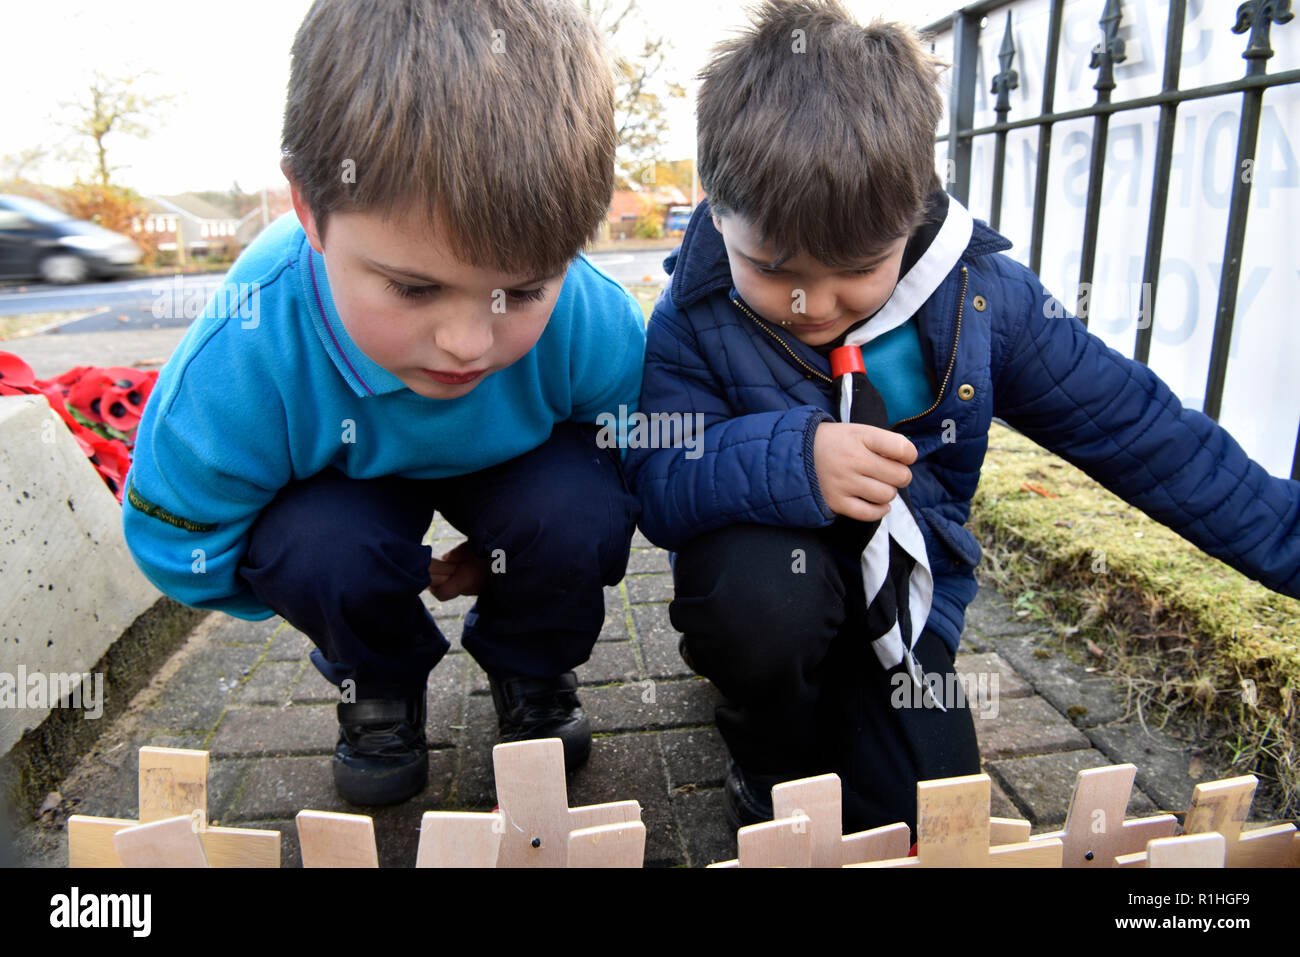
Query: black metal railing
<point>1255,16</point>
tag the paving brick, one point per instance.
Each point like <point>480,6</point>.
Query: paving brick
<point>289,644</point>
<point>695,758</point>
<point>1025,726</point>
<point>647,560</point>
<point>281,787</point>
<point>1084,698</point>
<point>993,617</point>
<point>649,588</point>
<point>474,787</point>
<point>628,767</point>
<point>610,661</point>
<point>982,670</point>
<point>1164,763</point>
<point>651,704</point>
<point>254,732</point>
<point>640,541</point>
<point>312,688</point>
<point>659,641</point>
<point>270,683</point>
<point>999,804</point>
<point>228,630</point>
<point>615,626</point>
<point>446,691</point>
<point>703,825</point>
<point>1043,785</point>
<point>202,688</point>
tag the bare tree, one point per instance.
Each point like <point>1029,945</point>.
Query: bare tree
<point>112,105</point>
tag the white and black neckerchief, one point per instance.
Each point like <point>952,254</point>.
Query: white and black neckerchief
<point>895,569</point>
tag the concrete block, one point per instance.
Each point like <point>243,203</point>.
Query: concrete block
<point>71,586</point>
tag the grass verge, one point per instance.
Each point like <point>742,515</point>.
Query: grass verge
<point>15,327</point>
<point>1196,643</point>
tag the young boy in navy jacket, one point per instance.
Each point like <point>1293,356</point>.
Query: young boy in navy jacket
<point>847,333</point>
<point>424,334</point>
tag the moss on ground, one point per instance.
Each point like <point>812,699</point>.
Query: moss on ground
<point>1196,642</point>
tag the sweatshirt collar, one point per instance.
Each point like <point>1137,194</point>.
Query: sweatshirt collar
<point>363,374</point>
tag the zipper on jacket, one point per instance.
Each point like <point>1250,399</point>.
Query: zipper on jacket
<point>947,376</point>
<point>784,345</point>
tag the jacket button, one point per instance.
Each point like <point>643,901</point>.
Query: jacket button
<point>979,302</point>
<point>966,392</point>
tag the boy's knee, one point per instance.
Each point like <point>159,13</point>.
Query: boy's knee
<point>765,593</point>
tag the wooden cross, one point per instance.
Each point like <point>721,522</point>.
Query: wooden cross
<point>533,801</point>
<point>954,829</point>
<point>1222,807</point>
<point>1189,850</point>
<point>1095,830</point>
<point>818,800</point>
<point>331,839</point>
<point>460,839</point>
<point>173,784</point>
<point>172,842</point>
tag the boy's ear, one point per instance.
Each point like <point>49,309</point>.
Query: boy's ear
<point>302,209</point>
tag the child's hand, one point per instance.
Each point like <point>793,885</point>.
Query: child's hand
<point>459,572</point>
<point>861,468</point>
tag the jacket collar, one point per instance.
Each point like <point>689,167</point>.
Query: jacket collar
<point>699,266</point>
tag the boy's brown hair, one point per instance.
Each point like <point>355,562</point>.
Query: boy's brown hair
<point>493,119</point>
<point>820,131</point>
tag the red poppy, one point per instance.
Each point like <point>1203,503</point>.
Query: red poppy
<point>122,401</point>
<point>16,376</point>
<point>87,393</point>
<point>113,462</point>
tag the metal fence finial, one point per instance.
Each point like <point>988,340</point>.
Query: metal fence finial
<point>1258,16</point>
<point>1111,48</point>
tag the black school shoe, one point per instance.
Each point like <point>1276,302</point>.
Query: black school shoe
<point>382,756</point>
<point>747,798</point>
<point>532,708</point>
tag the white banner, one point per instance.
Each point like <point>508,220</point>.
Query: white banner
<point>1261,400</point>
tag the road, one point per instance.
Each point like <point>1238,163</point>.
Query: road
<point>163,302</point>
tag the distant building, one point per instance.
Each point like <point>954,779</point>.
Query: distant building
<point>628,205</point>
<point>203,226</point>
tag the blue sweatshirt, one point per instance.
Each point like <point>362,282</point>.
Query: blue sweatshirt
<point>256,398</point>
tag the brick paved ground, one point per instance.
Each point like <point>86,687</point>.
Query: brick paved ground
<point>246,692</point>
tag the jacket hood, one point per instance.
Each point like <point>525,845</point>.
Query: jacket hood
<point>699,266</point>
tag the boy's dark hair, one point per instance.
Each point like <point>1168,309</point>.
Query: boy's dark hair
<point>820,131</point>
<point>493,119</point>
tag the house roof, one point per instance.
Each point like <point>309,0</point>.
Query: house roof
<point>190,205</point>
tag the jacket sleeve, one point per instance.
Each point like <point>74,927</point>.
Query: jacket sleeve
<point>728,469</point>
<point>1117,421</point>
<point>204,466</point>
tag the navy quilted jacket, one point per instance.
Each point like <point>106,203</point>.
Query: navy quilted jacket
<point>999,345</point>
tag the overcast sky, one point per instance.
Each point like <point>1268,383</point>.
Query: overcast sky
<point>227,66</point>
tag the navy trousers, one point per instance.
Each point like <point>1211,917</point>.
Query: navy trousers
<point>342,560</point>
<point>775,617</point>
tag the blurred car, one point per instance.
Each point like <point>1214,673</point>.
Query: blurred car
<point>678,218</point>
<point>40,241</point>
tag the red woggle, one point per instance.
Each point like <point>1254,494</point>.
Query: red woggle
<point>846,359</point>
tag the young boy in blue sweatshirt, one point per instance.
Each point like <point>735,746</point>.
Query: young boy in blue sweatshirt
<point>423,335</point>
<point>847,332</point>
